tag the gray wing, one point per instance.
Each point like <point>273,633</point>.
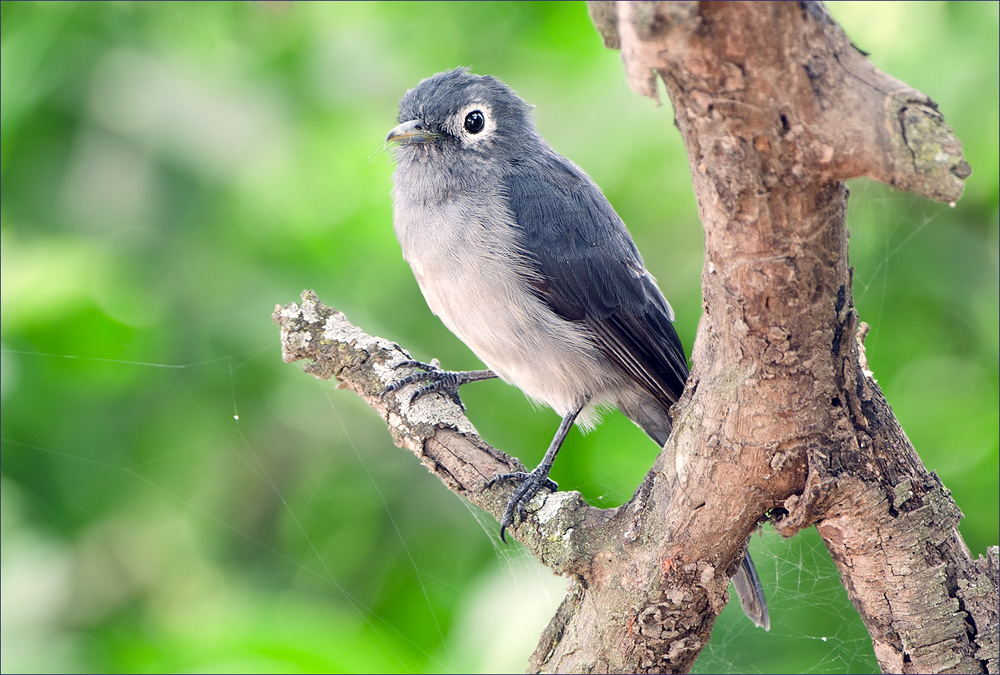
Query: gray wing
<point>589,271</point>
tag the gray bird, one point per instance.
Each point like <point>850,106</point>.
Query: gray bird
<point>522,257</point>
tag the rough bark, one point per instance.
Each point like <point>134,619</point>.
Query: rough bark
<point>781,415</point>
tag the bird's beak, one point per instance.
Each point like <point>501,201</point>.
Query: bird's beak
<point>413,131</point>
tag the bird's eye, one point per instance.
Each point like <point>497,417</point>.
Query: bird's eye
<point>474,122</point>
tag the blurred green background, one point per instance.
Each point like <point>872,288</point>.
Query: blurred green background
<point>175,498</point>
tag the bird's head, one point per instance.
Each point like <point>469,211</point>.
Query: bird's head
<point>460,117</point>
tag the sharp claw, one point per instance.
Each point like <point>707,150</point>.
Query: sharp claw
<point>450,391</point>
<point>410,363</point>
<point>515,509</point>
<point>396,385</point>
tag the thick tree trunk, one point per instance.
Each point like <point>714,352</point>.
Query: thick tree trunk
<point>781,415</point>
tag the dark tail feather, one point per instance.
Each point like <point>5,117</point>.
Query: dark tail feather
<point>648,414</point>
<point>751,593</point>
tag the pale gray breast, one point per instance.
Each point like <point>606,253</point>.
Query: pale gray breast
<point>464,255</point>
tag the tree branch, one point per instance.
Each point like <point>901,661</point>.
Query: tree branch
<point>777,108</point>
<point>434,429</point>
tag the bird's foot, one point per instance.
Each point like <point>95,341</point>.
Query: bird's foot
<point>531,483</point>
<point>440,381</point>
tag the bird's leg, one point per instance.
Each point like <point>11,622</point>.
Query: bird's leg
<point>532,482</point>
<point>441,381</point>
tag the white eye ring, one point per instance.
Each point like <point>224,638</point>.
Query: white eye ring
<point>475,122</point>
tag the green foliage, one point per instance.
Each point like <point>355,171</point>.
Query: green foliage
<point>175,498</point>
